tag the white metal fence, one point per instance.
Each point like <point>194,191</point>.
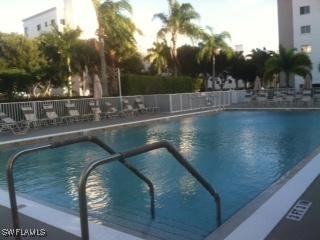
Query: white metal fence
<point>193,101</point>
<point>164,102</point>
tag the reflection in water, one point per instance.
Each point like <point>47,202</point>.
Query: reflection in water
<point>248,137</point>
<point>97,191</point>
<point>187,136</point>
<point>188,185</point>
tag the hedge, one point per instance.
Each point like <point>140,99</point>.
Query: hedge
<point>133,84</point>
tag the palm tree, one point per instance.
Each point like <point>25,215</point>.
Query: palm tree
<point>288,62</point>
<point>101,48</point>
<point>211,46</point>
<point>158,56</point>
<point>63,43</point>
<point>178,22</point>
<point>259,57</point>
<point>116,31</point>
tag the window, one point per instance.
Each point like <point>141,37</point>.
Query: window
<point>305,29</point>
<point>230,81</point>
<point>46,24</point>
<point>62,21</point>
<point>304,10</point>
<point>53,22</point>
<point>306,48</point>
<point>39,27</point>
<point>26,31</point>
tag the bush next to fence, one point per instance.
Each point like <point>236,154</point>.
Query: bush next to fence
<point>13,81</point>
<point>133,84</point>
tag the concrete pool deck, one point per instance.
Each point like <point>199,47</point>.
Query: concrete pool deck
<point>258,219</point>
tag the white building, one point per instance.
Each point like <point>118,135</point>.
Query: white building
<point>229,83</point>
<point>299,28</point>
<point>71,13</point>
<point>67,13</point>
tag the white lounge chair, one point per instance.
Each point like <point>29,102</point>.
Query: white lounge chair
<point>17,128</point>
<point>98,114</point>
<point>306,97</point>
<point>51,114</point>
<point>31,116</point>
<point>111,110</point>
<point>74,114</point>
<point>142,107</point>
<point>127,108</point>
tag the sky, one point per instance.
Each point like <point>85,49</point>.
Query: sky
<point>252,23</point>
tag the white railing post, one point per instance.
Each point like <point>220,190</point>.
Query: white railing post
<point>170,102</point>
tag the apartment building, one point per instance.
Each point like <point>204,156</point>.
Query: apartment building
<point>299,27</point>
<point>71,13</point>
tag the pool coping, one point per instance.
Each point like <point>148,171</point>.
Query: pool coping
<point>89,131</point>
<point>257,219</point>
<point>63,221</point>
<point>272,109</point>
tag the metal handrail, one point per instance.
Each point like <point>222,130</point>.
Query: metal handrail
<point>137,151</point>
<point>95,140</point>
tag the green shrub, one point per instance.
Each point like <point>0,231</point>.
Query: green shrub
<point>143,85</point>
<point>13,81</point>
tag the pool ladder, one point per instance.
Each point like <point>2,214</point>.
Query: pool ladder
<point>122,158</point>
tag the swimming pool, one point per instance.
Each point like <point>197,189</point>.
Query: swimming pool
<point>239,153</point>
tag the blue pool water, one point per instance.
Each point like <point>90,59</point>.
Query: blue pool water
<point>239,153</point>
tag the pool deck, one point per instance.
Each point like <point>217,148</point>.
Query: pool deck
<point>38,135</point>
<point>263,218</point>
<point>274,106</point>
<point>52,233</point>
<point>301,222</point>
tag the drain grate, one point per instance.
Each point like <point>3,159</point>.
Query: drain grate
<point>299,210</point>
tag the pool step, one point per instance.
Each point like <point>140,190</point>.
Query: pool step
<point>158,229</point>
<point>165,220</point>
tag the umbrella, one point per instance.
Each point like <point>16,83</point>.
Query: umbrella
<point>307,82</point>
<point>97,88</point>
<point>97,94</point>
<point>257,84</point>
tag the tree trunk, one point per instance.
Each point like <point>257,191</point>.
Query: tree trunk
<point>174,54</point>
<point>287,79</point>
<point>104,79</point>
<point>213,70</point>
<point>69,77</point>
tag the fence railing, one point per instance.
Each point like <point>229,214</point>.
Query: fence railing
<point>164,102</point>
<point>193,101</point>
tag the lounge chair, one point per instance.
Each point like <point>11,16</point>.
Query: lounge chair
<point>289,97</point>
<point>247,97</point>
<point>127,108</point>
<point>306,97</point>
<point>17,128</point>
<point>278,97</point>
<point>31,116</point>
<point>96,110</point>
<point>261,97</point>
<point>316,94</point>
<point>142,107</point>
<point>51,114</point>
<point>111,110</point>
<point>74,114</point>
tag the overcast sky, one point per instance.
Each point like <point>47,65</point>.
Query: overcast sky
<point>252,23</point>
